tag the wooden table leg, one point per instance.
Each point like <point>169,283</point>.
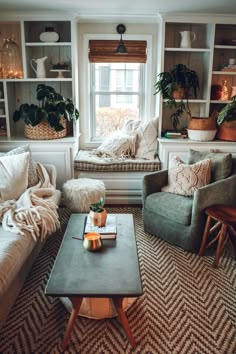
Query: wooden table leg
<point>76,303</point>
<point>118,305</point>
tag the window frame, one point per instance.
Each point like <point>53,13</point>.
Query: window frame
<point>89,123</point>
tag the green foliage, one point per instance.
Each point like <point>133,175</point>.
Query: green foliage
<point>228,112</point>
<point>97,207</point>
<point>51,108</point>
<point>180,76</point>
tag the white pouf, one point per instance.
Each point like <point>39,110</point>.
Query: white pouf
<point>78,194</point>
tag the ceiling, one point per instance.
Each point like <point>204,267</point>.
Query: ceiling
<point>126,7</point>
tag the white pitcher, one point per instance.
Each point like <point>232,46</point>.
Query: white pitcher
<point>40,67</point>
<point>187,37</point>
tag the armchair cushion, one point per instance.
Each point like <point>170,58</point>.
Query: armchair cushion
<point>221,163</point>
<point>185,179</point>
<point>175,207</point>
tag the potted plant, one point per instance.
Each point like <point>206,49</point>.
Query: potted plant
<point>176,87</point>
<point>226,120</point>
<point>49,116</point>
<point>98,214</point>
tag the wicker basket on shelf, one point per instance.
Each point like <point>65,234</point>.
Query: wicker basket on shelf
<point>43,131</point>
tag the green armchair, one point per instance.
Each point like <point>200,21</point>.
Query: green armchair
<point>178,219</point>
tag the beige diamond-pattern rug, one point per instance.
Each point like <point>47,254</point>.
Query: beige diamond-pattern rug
<point>187,305</point>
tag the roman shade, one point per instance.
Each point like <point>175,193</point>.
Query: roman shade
<point>104,51</point>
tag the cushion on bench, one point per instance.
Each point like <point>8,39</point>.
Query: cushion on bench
<point>86,160</point>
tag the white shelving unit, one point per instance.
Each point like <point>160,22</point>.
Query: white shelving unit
<point>208,55</point>
<point>61,152</point>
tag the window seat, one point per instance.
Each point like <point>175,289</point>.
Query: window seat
<point>122,177</point>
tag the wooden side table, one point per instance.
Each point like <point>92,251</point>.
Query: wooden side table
<point>221,220</point>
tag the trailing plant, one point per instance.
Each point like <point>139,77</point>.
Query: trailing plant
<point>183,81</point>
<point>51,108</point>
<point>97,207</point>
<point>228,112</point>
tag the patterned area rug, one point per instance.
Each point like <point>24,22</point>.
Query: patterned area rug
<point>187,305</point>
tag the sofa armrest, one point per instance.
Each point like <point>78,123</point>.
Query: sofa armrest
<point>153,182</point>
<point>52,172</point>
<point>220,192</point>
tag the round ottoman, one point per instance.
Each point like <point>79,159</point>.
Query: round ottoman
<point>78,194</point>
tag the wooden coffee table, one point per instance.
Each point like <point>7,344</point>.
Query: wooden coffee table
<point>113,272</point>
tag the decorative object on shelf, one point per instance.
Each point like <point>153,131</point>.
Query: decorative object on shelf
<point>187,37</point>
<point>49,35</point>
<point>40,70</point>
<point>202,129</point>
<point>49,118</point>
<point>231,61</point>
<point>216,91</point>
<point>226,120</point>
<point>60,72</point>
<point>178,83</point>
<point>233,91</point>
<point>98,214</point>
<point>121,49</point>
<point>11,60</point>
<point>92,241</point>
<point>224,92</point>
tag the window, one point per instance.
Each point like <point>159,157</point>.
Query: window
<point>117,86</point>
<point>116,95</point>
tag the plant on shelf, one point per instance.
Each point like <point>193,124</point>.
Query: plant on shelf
<point>226,120</point>
<point>98,214</point>
<point>177,86</point>
<point>52,108</point>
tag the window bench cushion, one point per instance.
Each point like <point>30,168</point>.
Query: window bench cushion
<point>85,160</point>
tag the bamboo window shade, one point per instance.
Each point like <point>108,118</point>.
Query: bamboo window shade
<point>104,51</point>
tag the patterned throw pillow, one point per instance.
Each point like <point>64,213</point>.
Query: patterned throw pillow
<point>146,146</point>
<point>221,163</point>
<point>118,145</point>
<point>185,179</point>
<point>32,174</point>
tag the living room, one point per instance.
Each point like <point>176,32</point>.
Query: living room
<point>102,61</point>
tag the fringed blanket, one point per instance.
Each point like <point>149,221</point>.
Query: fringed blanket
<point>34,212</point>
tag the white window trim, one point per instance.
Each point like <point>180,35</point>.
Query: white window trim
<point>85,83</point>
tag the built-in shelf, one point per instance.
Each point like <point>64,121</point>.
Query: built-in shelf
<point>47,44</point>
<point>224,72</point>
<point>203,50</point>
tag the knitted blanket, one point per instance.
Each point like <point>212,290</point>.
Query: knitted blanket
<point>34,212</point>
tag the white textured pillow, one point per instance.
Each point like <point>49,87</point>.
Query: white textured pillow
<point>185,179</point>
<point>13,176</point>
<point>146,146</point>
<point>118,145</point>
<point>32,175</point>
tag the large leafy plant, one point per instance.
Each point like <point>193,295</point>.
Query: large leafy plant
<point>183,81</point>
<point>228,112</point>
<point>51,108</point>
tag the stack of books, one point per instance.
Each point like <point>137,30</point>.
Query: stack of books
<point>107,232</point>
<point>174,135</point>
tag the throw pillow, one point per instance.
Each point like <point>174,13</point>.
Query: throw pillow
<point>13,176</point>
<point>146,146</point>
<point>118,145</point>
<point>185,179</point>
<point>32,175</point>
<point>221,163</point>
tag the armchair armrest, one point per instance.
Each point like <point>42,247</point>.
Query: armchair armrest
<point>153,182</point>
<point>220,192</point>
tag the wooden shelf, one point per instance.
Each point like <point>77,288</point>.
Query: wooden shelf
<point>47,44</point>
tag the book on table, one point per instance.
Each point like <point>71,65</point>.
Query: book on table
<point>107,232</point>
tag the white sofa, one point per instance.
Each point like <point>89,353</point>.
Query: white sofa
<point>17,254</point>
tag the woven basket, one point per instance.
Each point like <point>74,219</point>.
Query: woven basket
<point>43,131</point>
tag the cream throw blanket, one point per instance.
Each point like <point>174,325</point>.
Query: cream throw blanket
<point>34,212</point>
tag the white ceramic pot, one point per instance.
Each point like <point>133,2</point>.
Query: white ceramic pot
<point>201,135</point>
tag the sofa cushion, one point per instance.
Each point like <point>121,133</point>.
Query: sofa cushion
<point>221,163</point>
<point>175,207</point>
<point>13,176</point>
<point>32,173</point>
<point>185,179</point>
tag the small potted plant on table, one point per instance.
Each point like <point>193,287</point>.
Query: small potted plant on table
<point>48,119</point>
<point>98,214</point>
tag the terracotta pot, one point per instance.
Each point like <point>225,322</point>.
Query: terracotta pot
<point>98,219</point>
<point>227,131</point>
<point>208,123</point>
<point>178,94</point>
